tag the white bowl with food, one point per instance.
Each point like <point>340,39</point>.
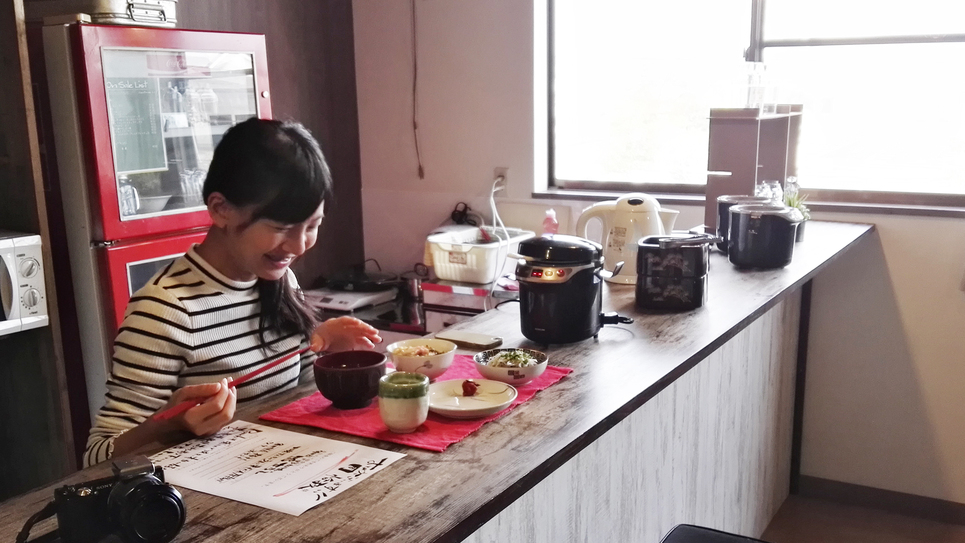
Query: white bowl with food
<point>429,356</point>
<point>513,366</point>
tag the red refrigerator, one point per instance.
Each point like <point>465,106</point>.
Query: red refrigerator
<point>135,114</point>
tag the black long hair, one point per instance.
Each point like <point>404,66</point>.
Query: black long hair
<point>278,168</point>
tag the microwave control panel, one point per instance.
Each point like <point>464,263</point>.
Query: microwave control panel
<point>23,292</point>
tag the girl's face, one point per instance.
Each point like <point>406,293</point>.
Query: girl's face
<point>265,248</point>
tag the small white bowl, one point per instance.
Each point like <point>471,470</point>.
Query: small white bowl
<point>432,365</point>
<point>152,204</point>
<point>513,376</point>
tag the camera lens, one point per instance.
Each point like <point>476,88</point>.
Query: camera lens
<point>147,511</point>
<point>155,515</point>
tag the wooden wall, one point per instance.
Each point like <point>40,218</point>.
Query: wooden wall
<point>35,439</point>
<point>311,64</point>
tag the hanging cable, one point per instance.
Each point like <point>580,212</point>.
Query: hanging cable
<point>415,94</point>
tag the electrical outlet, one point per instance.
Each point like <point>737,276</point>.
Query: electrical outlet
<point>501,171</point>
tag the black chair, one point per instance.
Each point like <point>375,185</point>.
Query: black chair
<point>688,533</point>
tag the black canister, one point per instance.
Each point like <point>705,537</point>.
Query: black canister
<point>672,271</point>
<point>724,204</point>
<point>762,236</point>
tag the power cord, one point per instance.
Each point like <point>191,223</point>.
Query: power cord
<point>462,214</point>
<point>376,262</point>
<point>497,221</point>
<point>504,302</point>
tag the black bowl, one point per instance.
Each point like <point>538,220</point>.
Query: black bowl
<point>349,379</point>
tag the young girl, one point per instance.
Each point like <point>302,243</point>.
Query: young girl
<point>230,304</point>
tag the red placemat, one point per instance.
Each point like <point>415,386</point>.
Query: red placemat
<point>436,434</point>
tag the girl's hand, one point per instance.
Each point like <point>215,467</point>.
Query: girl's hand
<point>344,334</point>
<point>215,411</point>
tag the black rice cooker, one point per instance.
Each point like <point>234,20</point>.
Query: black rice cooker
<point>724,203</point>
<point>561,289</point>
<point>762,235</point>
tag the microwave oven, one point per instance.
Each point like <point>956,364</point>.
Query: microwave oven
<point>23,295</point>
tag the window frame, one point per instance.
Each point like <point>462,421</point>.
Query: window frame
<point>937,204</point>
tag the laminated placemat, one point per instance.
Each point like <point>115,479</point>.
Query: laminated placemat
<point>435,434</point>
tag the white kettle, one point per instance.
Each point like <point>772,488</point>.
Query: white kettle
<point>626,221</point>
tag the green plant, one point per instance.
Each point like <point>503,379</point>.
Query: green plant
<point>797,200</point>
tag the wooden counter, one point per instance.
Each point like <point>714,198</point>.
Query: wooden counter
<point>678,417</point>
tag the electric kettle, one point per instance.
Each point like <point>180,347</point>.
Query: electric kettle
<point>626,221</point>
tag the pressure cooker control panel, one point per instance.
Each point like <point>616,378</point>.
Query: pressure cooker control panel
<point>547,274</point>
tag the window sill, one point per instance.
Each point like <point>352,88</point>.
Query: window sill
<point>869,208</point>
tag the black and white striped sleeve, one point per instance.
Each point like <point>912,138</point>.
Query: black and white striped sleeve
<point>152,348</point>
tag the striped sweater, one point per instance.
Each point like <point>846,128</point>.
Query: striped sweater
<point>189,325</point>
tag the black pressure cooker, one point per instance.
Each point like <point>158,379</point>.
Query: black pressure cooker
<point>561,289</point>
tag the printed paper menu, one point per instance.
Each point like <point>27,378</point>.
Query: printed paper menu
<point>276,469</point>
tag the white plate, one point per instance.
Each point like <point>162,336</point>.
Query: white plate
<point>446,399</point>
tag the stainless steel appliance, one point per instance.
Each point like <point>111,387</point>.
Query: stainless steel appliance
<point>561,289</point>
<point>162,13</point>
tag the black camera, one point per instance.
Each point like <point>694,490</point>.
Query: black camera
<point>134,504</point>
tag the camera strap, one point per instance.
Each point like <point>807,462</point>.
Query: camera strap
<point>48,511</point>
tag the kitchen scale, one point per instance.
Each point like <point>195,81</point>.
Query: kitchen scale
<point>347,300</point>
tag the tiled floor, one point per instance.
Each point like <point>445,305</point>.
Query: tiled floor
<point>803,520</point>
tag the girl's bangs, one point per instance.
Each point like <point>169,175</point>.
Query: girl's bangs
<point>291,204</point>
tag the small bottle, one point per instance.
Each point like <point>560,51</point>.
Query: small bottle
<point>550,224</point>
<point>209,100</point>
<point>777,192</point>
<point>192,105</point>
<point>791,188</point>
<point>174,98</point>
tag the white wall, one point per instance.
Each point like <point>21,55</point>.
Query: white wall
<point>886,376</point>
<point>886,369</point>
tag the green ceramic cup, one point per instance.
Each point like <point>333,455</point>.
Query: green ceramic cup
<point>403,401</point>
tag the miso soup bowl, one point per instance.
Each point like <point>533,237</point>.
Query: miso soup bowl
<point>349,379</point>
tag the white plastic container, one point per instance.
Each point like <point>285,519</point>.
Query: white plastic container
<point>464,255</point>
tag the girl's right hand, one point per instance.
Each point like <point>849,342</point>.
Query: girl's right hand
<point>215,411</point>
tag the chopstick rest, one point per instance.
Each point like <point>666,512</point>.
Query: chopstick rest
<point>176,410</point>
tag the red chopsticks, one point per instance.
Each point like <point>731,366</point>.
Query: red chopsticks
<point>176,410</point>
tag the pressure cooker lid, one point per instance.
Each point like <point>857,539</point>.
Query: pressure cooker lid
<point>560,249</point>
<point>742,199</point>
<point>790,214</point>
<point>674,240</point>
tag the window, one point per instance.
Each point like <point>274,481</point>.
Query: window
<point>632,83</point>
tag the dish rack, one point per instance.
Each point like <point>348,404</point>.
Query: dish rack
<point>465,255</point>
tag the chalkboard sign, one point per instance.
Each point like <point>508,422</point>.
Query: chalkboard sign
<point>134,110</point>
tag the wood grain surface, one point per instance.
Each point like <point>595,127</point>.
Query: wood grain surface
<point>36,442</point>
<point>712,449</point>
<point>709,443</point>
